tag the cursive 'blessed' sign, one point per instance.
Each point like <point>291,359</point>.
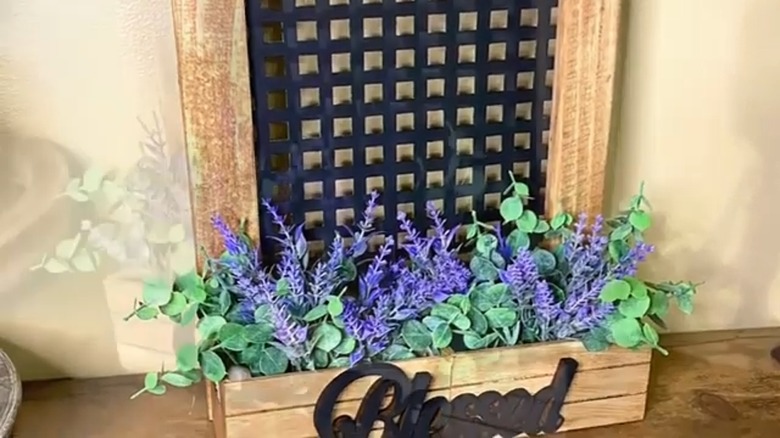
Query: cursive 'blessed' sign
<point>409,415</point>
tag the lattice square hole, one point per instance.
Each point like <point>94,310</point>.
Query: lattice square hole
<point>307,65</point>
<point>493,143</point>
<point>466,85</point>
<point>467,54</point>
<point>306,31</point>
<point>375,155</point>
<point>278,131</point>
<point>342,95</point>
<point>408,208</point>
<point>313,219</point>
<point>404,182</point>
<point>495,83</point>
<point>465,117</point>
<point>372,60</point>
<point>554,16</point>
<point>277,99</point>
<point>464,146</point>
<point>434,179</point>
<point>345,187</point>
<point>497,52</point>
<point>464,204</point>
<point>404,25</point>
<point>345,217</point>
<point>375,183</point>
<point>551,48</point>
<point>339,63</point>
<point>492,201</point>
<point>434,119</point>
<point>273,32</point>
<point>548,78</point>
<point>499,19</point>
<point>521,169</point>
<point>545,138</point>
<point>339,29</point>
<point>343,157</point>
<point>467,21</point>
<point>404,58</point>
<point>377,240</point>
<point>437,55</point>
<point>273,5</point>
<point>526,49</point>
<point>435,87</point>
<point>342,127</point>
<point>339,2</point>
<point>434,149</point>
<point>304,3</point>
<point>368,2</point>
<point>529,17</point>
<point>404,152</point>
<point>522,140</point>
<point>547,108</point>
<point>310,97</point>
<point>492,172</point>
<point>280,162</point>
<point>464,176</point>
<point>437,23</point>
<point>274,66</point>
<point>372,27</point>
<point>404,90</point>
<point>523,111</point>
<point>525,81</point>
<point>373,93</point>
<point>312,160</point>
<point>404,122</point>
<point>312,190</point>
<point>310,129</point>
<point>281,191</point>
<point>494,113</point>
<point>374,125</point>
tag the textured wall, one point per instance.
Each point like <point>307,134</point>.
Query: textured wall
<point>696,123</point>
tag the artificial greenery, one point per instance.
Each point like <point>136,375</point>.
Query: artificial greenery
<point>527,281</point>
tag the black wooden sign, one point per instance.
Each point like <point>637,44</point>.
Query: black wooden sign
<point>409,415</point>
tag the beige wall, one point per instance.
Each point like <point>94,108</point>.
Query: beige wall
<point>699,88</point>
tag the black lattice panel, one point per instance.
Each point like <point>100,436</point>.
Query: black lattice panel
<point>422,100</point>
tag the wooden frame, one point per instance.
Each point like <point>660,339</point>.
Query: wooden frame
<point>216,102</point>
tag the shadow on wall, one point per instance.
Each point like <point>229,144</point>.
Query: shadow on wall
<point>753,268</point>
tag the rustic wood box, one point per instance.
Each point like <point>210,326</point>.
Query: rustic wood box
<point>609,388</point>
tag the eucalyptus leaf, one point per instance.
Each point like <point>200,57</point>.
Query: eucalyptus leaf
<point>83,261</point>
<point>621,232</point>
<point>273,361</point>
<point>335,307</point>
<point>339,362</point>
<point>447,312</point>
<point>518,240</point>
<point>263,314</point>
<point>634,307</point>
<point>416,335</point>
<point>639,220</point>
<point>147,313</point>
<point>176,305</point>
<point>397,352</point>
<point>615,290</point>
<point>195,294</point>
<point>156,292</point>
<point>348,270</point>
<point>150,380</point>
<point>187,357</point>
<point>542,227</point>
<point>527,221</point>
<point>558,221</point>
<point>651,335</point>
<point>316,313</point>
<point>473,341</point>
<point>258,333</point>
<point>659,304</point>
<point>486,244</point>
<point>479,323</point>
<point>321,359</point>
<point>189,314</point>
<point>157,390</point>
<point>212,366</point>
<point>176,379</point>
<point>461,322</point>
<point>544,260</point>
<point>685,304</point>
<point>511,208</point>
<point>209,325</point>
<point>442,336</point>
<point>54,266</point>
<point>521,190</point>
<point>432,322</point>
<point>66,248</point>
<point>231,337</point>
<point>346,346</point>
<point>596,339</point>
<point>483,269</point>
<point>501,317</point>
<point>328,337</point>
<point>92,179</point>
<point>626,332</point>
<point>638,288</point>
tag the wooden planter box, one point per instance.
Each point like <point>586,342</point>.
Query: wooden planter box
<point>609,388</point>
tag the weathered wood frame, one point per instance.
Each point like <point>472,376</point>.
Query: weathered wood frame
<point>211,40</point>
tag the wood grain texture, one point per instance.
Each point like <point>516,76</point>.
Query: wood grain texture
<point>733,365</point>
<point>583,94</point>
<point>285,404</point>
<point>214,78</point>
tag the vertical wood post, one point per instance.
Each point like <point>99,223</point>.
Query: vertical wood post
<point>583,93</point>
<point>213,62</point>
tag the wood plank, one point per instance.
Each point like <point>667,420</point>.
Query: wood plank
<point>613,383</point>
<point>302,389</point>
<point>536,360</point>
<point>583,95</point>
<point>216,101</point>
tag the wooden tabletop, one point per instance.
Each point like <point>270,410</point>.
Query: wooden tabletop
<point>715,384</point>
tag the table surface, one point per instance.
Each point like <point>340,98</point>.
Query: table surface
<point>713,384</point>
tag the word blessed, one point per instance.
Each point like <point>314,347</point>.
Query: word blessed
<point>410,415</point>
